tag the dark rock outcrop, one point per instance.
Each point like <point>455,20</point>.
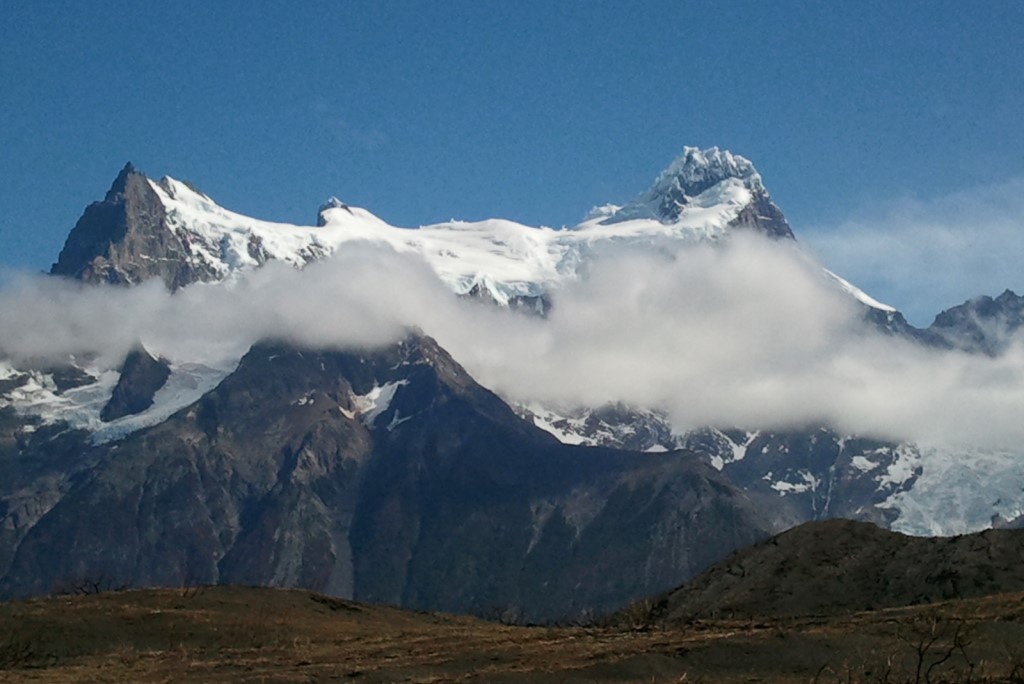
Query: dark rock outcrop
<point>125,239</point>
<point>141,376</point>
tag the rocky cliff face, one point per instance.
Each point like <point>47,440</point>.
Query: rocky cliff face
<point>125,239</point>
<point>141,378</point>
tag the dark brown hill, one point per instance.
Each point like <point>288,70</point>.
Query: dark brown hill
<point>840,566</point>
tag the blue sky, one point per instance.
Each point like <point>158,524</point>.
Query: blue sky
<point>866,119</point>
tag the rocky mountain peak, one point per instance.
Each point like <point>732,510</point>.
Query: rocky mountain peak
<point>120,184</point>
<point>125,239</point>
<point>142,375</point>
<point>982,324</point>
<point>695,172</point>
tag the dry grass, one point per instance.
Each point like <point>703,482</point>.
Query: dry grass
<point>231,634</point>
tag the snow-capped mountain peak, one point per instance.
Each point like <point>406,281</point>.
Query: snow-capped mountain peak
<point>691,174</point>
<point>170,230</point>
<point>698,178</point>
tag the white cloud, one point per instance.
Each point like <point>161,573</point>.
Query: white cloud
<point>363,297</point>
<point>925,256</point>
<point>750,335</point>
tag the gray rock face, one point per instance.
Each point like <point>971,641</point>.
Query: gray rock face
<point>762,216</point>
<point>331,203</point>
<point>141,376</point>
<point>385,475</point>
<point>124,240</point>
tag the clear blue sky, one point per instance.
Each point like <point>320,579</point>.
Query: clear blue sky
<point>534,111</point>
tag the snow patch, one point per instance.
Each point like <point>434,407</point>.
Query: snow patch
<point>809,483</point>
<point>859,294</point>
<point>7,371</point>
<point>376,401</point>
<point>864,465</point>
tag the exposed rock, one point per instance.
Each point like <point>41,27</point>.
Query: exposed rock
<point>141,376</point>
<point>125,239</point>
<point>696,171</point>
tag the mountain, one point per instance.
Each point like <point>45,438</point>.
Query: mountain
<point>387,475</point>
<point>128,238</point>
<point>839,566</point>
<point>169,230</point>
<point>141,377</point>
<point>818,472</point>
<point>983,325</point>
<point>701,179</point>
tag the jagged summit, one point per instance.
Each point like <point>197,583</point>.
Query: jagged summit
<point>700,178</point>
<point>982,324</point>
<point>696,170</point>
<point>120,184</point>
<point>127,238</point>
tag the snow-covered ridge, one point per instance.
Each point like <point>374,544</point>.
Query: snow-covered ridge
<point>698,198</point>
<point>505,258</point>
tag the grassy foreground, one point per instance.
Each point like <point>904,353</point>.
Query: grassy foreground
<point>235,634</point>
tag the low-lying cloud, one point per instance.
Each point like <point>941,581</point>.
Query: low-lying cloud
<point>751,334</point>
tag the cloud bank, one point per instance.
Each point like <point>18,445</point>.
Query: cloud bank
<point>749,335</point>
<point>925,256</point>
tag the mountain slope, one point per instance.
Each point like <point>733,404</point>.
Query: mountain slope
<point>841,566</point>
<point>125,239</point>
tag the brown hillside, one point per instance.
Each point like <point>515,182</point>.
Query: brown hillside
<point>840,566</point>
<point>232,634</point>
